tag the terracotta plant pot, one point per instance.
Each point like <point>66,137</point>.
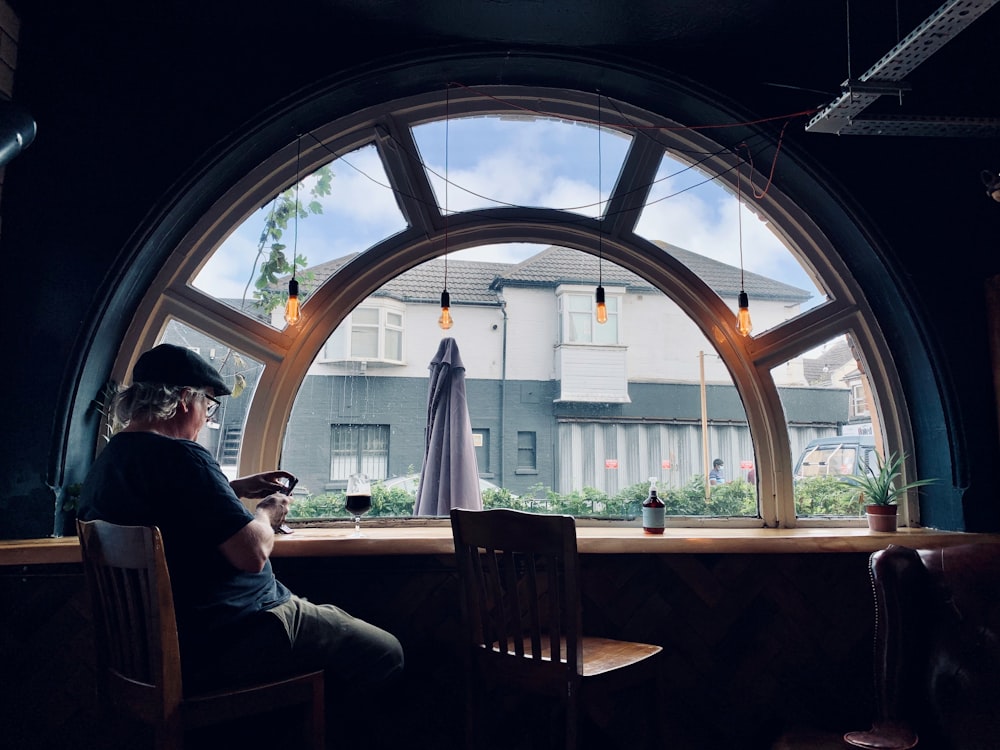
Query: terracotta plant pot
<point>882,517</point>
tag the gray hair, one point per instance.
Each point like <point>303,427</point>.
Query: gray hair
<point>152,402</point>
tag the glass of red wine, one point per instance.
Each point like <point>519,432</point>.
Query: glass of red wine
<point>358,500</point>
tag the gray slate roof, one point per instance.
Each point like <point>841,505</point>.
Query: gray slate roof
<point>818,370</point>
<point>472,282</point>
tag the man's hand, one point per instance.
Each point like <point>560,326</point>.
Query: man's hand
<point>256,486</point>
<point>275,508</point>
<point>250,547</point>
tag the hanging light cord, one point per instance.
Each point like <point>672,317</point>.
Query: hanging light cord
<point>447,122</point>
<point>743,324</point>
<point>445,322</point>
<point>295,237</point>
<point>600,199</point>
<point>847,16</point>
<point>739,218</point>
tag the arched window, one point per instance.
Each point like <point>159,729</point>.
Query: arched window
<point>522,201</point>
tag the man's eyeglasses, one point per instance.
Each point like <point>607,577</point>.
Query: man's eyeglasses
<point>212,404</point>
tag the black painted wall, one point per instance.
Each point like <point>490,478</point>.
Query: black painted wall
<point>134,102</point>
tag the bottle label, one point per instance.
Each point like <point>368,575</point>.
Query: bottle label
<point>653,518</point>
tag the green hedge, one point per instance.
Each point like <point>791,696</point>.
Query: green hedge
<point>735,498</point>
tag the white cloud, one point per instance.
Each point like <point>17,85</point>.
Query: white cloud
<point>524,163</point>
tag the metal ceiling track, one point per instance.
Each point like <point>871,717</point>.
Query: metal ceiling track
<point>887,77</point>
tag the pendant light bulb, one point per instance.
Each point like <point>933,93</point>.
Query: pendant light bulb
<point>445,320</point>
<point>292,306</point>
<point>602,307</point>
<point>743,324</point>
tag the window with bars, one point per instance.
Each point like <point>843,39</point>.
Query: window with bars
<point>359,448</point>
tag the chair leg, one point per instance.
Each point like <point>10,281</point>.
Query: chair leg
<point>316,720</point>
<point>169,736</point>
<point>572,721</point>
<point>473,706</point>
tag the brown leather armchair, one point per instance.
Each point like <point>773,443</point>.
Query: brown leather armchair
<point>937,648</point>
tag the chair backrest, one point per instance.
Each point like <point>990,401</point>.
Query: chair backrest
<point>138,655</point>
<point>937,647</point>
<point>519,575</point>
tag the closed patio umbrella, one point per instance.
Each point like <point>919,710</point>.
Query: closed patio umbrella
<point>450,476</point>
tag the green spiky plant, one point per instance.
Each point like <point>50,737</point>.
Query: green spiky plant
<point>880,486</point>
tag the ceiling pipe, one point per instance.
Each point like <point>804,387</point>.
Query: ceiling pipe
<point>17,131</point>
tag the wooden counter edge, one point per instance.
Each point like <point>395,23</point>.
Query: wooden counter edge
<point>317,542</point>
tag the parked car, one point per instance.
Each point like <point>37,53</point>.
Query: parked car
<point>837,455</point>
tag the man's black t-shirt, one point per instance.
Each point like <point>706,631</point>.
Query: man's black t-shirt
<point>145,479</point>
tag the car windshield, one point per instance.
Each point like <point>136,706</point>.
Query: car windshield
<point>828,460</point>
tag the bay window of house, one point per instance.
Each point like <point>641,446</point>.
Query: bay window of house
<point>376,334</point>
<point>580,324</point>
<point>574,410</point>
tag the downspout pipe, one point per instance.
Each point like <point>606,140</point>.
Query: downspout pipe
<point>503,387</point>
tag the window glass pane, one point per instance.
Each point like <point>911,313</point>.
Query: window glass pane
<point>223,433</point>
<point>827,401</point>
<point>374,449</point>
<point>694,219</point>
<point>580,325</point>
<point>607,333</point>
<point>365,316</point>
<point>601,419</point>
<point>521,161</point>
<point>346,204</point>
<point>526,450</point>
<point>394,345</point>
<point>364,343</point>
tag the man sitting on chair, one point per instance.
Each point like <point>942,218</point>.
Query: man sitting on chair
<point>235,620</point>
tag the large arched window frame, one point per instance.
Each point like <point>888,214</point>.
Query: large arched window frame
<point>287,355</point>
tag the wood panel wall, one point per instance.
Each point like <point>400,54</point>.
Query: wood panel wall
<point>755,645</point>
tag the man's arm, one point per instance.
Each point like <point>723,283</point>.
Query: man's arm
<point>250,547</point>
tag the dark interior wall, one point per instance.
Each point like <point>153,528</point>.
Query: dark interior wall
<point>753,645</point>
<point>134,101</point>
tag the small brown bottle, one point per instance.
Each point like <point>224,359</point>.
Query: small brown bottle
<point>653,511</point>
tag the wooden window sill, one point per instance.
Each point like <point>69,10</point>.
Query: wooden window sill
<point>592,540</point>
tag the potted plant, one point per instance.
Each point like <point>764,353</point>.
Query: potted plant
<point>879,489</point>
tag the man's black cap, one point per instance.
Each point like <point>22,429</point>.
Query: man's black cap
<point>176,365</point>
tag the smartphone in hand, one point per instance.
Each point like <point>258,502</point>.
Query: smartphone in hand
<point>285,528</point>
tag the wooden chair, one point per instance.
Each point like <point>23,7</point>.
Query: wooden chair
<point>138,658</point>
<point>520,597</point>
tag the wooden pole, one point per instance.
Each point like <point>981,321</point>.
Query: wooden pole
<point>704,423</point>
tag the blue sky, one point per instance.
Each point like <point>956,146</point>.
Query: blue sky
<point>494,161</point>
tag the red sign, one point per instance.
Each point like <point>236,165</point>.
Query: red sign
<point>665,463</point>
<point>611,463</point>
<point>746,464</point>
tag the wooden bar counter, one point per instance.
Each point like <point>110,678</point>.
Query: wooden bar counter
<point>426,539</point>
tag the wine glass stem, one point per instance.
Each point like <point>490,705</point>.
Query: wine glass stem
<point>357,525</point>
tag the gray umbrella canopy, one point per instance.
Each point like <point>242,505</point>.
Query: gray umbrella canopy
<point>450,476</point>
